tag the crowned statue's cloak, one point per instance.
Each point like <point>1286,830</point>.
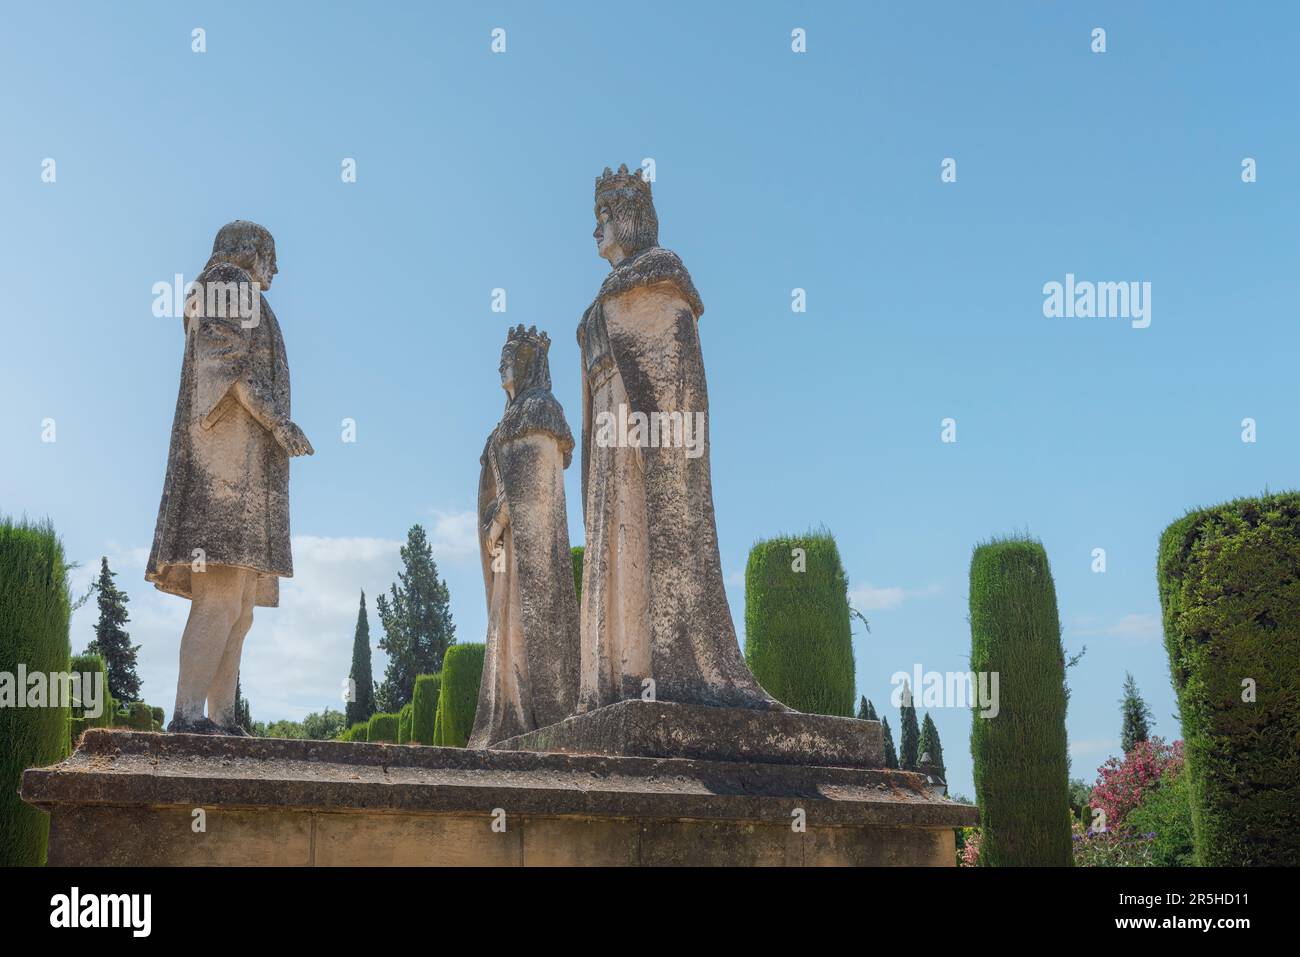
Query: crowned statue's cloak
<point>225,498</point>
<point>530,664</point>
<point>653,604</point>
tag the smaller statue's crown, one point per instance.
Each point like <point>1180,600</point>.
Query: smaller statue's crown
<point>530,335</point>
<point>609,181</point>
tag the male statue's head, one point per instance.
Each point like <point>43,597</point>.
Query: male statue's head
<point>248,246</point>
<point>524,364</point>
<point>625,215</point>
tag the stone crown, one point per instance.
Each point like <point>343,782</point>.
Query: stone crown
<point>539,339</point>
<point>609,181</point>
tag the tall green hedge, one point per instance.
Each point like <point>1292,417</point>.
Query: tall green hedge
<point>358,732</point>
<point>798,641</point>
<point>404,724</point>
<point>424,708</point>
<point>462,670</point>
<point>34,613</point>
<point>1021,768</point>
<point>575,554</point>
<point>90,665</point>
<point>383,727</point>
<point>1229,580</point>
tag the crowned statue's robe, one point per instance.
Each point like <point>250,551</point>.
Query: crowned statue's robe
<point>530,663</point>
<point>653,603</point>
<point>225,498</point>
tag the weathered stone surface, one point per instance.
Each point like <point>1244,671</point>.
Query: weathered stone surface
<point>128,797</point>
<point>222,535</point>
<point>668,729</point>
<point>654,608</point>
<point>530,666</point>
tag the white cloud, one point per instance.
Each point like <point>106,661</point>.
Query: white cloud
<point>1093,746</point>
<point>454,536</point>
<point>1136,628</point>
<point>868,597</point>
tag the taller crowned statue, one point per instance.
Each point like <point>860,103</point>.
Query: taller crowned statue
<point>654,619</point>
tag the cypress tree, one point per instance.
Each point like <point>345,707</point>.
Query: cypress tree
<point>1021,765</point>
<point>34,610</point>
<point>416,617</point>
<point>111,642</point>
<point>575,555</point>
<point>911,734</point>
<point>891,756</point>
<point>930,745</point>
<point>1137,716</point>
<point>798,636</point>
<point>362,705</point>
<point>243,713</point>
<point>866,710</point>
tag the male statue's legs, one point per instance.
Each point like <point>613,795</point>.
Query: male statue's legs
<point>221,695</point>
<point>216,603</point>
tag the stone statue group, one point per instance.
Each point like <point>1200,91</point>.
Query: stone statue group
<point>653,620</point>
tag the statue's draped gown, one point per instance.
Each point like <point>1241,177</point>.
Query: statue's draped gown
<point>653,603</point>
<point>226,491</point>
<point>531,656</point>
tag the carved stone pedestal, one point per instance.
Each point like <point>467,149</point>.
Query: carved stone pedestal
<point>130,798</point>
<point>666,729</point>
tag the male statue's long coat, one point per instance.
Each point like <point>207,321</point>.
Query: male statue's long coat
<point>226,491</point>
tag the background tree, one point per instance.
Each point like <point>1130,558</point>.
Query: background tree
<point>911,734</point>
<point>1137,716</point>
<point>243,713</point>
<point>111,642</point>
<point>930,745</point>
<point>363,681</point>
<point>866,710</point>
<point>416,617</point>
<point>891,756</point>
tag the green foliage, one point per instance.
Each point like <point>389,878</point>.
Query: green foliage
<point>1165,817</point>
<point>575,554</point>
<point>462,671</point>
<point>908,752</point>
<point>866,710</point>
<point>417,623</point>
<point>931,745</point>
<point>160,716</point>
<point>1137,716</point>
<point>891,756</point>
<point>358,732</point>
<point>1080,794</point>
<point>139,717</point>
<point>243,716</point>
<point>1230,593</point>
<point>1021,766</point>
<point>318,726</point>
<point>383,727</point>
<point>798,639</point>
<point>404,724</point>
<point>88,666</point>
<point>111,641</point>
<point>362,705</point>
<point>34,610</point>
<point>424,711</point>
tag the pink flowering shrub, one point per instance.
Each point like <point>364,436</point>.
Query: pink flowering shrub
<point>969,854</point>
<point>1121,785</point>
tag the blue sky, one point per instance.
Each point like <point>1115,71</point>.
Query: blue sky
<point>775,170</point>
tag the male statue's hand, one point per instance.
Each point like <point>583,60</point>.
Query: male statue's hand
<point>292,440</point>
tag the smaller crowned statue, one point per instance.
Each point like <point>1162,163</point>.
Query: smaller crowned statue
<point>530,669</point>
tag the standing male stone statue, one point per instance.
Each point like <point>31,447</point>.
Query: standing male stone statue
<point>222,538</point>
<point>530,668</point>
<point>654,614</point>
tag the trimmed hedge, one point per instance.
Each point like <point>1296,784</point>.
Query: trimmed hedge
<point>34,613</point>
<point>90,665</point>
<point>358,732</point>
<point>139,717</point>
<point>383,727</point>
<point>404,724</point>
<point>462,670</point>
<point>1021,768</point>
<point>424,708</point>
<point>798,640</point>
<point>1229,580</point>
<point>575,554</point>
